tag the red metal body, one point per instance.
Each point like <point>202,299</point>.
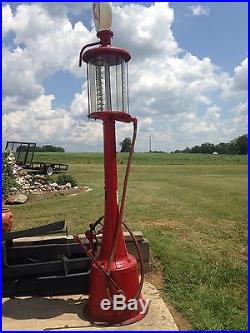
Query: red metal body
<point>107,50</point>
<point>123,266</point>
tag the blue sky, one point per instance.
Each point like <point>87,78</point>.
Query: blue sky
<point>214,35</point>
<point>188,73</point>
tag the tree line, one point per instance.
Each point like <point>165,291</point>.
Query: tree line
<point>237,146</point>
<point>44,148</point>
<point>49,148</point>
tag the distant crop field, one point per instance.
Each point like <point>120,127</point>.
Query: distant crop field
<point>193,210</point>
<point>143,158</point>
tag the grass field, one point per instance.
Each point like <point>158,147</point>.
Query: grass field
<point>142,158</point>
<point>193,209</point>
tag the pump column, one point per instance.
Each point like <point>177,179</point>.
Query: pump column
<point>111,216</point>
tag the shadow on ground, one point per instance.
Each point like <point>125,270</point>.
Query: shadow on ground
<point>46,308</point>
<point>42,308</point>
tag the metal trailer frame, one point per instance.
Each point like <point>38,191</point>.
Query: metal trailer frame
<point>27,161</point>
<point>39,262</point>
<point>43,267</point>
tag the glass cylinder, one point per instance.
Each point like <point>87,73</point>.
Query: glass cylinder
<point>107,83</point>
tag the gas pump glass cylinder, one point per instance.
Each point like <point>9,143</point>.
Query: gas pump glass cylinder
<point>108,83</point>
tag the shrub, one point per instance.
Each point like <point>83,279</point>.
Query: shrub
<point>49,179</point>
<point>64,179</point>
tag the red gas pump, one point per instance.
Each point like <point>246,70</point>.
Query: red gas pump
<point>114,272</point>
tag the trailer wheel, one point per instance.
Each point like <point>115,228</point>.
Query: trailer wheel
<point>49,171</point>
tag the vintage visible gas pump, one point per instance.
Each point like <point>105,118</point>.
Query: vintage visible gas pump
<point>113,271</point>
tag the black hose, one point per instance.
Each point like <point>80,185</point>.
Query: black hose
<point>83,48</point>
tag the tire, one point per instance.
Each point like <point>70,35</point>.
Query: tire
<point>49,171</point>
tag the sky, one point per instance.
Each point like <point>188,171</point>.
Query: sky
<point>188,76</point>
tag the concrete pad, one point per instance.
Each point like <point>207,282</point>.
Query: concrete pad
<point>65,313</point>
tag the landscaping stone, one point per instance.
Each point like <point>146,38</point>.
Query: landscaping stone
<point>18,198</point>
<point>13,189</point>
<point>30,184</point>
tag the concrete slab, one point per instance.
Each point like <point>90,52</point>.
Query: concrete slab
<point>65,313</point>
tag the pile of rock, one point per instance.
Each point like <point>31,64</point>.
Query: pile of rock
<point>35,184</point>
<point>30,184</point>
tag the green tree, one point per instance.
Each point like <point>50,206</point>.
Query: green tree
<point>187,150</point>
<point>125,145</point>
<point>49,148</point>
<point>241,144</point>
<point>236,146</point>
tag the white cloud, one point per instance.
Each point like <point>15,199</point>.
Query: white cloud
<point>51,42</point>
<point>213,113</point>
<point>240,116</point>
<point>168,88</point>
<point>79,105</point>
<point>240,80</point>
<point>237,85</point>
<point>198,10</point>
<point>8,19</point>
<point>241,108</point>
<point>19,76</point>
<point>172,85</point>
<point>146,31</point>
<point>42,123</point>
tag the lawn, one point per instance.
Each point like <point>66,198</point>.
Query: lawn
<point>142,158</point>
<point>193,210</point>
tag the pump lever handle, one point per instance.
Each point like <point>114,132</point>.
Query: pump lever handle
<point>92,226</point>
<point>109,278</point>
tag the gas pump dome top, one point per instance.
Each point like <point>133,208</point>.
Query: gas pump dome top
<point>114,54</point>
<point>107,68</point>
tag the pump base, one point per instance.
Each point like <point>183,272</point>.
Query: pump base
<point>129,321</point>
<point>126,277</point>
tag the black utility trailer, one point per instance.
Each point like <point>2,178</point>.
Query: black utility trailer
<point>24,153</point>
<point>47,261</point>
<point>40,262</point>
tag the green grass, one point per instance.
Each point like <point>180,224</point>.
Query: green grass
<point>195,216</point>
<point>142,158</point>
